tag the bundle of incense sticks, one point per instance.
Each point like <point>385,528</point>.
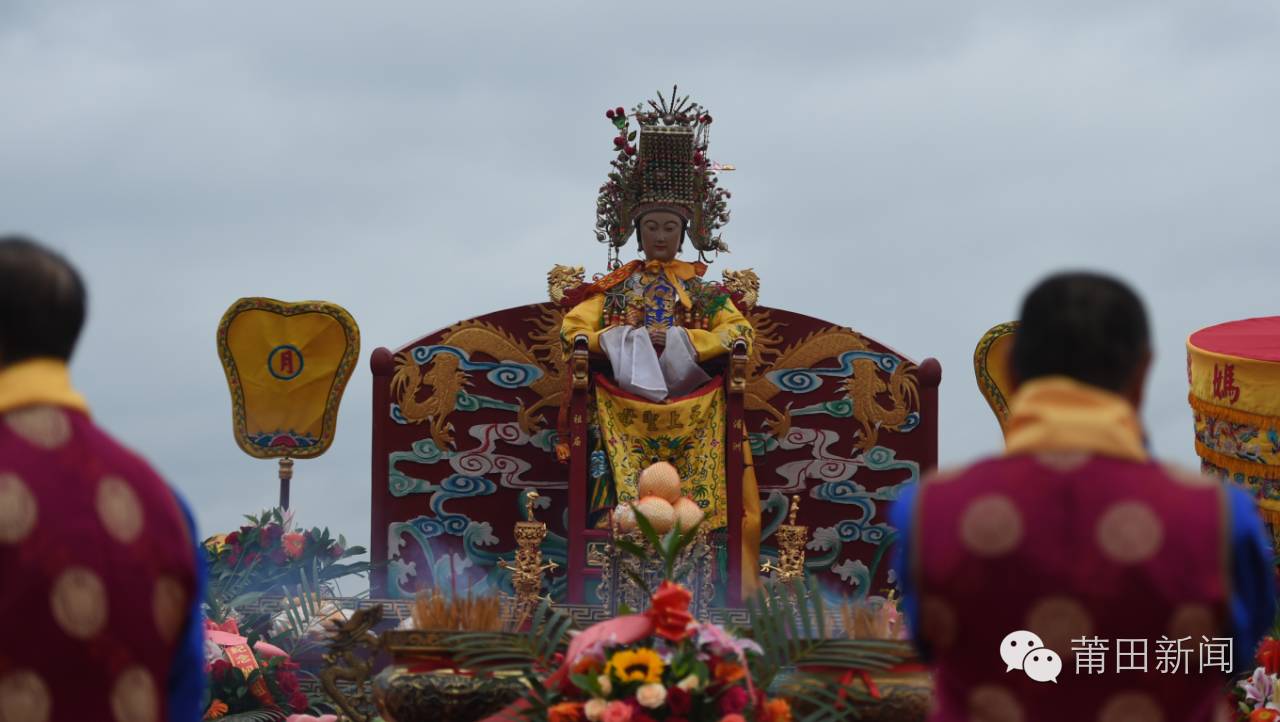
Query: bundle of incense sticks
<point>437,611</point>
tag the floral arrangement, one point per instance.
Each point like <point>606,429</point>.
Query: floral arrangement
<point>246,676</point>
<point>664,666</point>
<point>1257,698</point>
<point>268,554</point>
<point>251,678</point>
<point>680,671</point>
<point>231,691</point>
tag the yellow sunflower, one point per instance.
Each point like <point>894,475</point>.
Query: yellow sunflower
<point>635,665</point>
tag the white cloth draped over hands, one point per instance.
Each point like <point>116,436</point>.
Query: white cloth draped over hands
<point>638,369</point>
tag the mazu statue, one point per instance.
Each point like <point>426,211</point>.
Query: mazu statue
<point>657,320</point>
<point>648,361</point>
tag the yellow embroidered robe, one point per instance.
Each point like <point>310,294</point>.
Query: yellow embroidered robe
<point>688,431</point>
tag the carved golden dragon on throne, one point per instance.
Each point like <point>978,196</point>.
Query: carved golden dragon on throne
<point>876,403</point>
<point>864,388</point>
<point>443,380</point>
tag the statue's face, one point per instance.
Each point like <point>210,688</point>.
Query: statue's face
<point>660,235</point>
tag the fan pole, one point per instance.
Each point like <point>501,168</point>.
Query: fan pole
<point>286,475</point>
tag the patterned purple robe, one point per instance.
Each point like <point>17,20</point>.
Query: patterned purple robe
<point>97,575</point>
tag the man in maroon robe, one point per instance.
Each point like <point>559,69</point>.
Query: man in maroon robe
<point>99,576</point>
<point>1074,578</point>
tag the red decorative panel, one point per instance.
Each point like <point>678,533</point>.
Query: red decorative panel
<point>465,419</point>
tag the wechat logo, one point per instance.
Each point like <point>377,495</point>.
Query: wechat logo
<point>1023,650</point>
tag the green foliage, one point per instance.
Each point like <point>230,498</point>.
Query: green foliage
<point>667,546</point>
<point>789,622</point>
<point>301,615</point>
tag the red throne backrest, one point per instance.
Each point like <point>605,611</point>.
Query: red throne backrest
<point>833,415</point>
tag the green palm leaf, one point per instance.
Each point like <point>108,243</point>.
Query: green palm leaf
<point>822,701</point>
<point>789,624</point>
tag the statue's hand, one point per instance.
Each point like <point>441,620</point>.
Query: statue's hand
<point>658,336</point>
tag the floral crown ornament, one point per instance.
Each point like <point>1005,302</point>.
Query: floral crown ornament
<point>663,166</point>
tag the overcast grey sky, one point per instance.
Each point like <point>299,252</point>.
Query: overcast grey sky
<point>908,169</point>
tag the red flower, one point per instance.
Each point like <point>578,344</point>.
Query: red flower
<point>292,543</point>
<point>609,114</point>
<point>233,539</point>
<point>619,142</point>
<point>219,670</point>
<point>299,702</point>
<point>777,709</point>
<point>734,700</point>
<point>729,672</point>
<point>631,150</point>
<point>271,535</point>
<point>669,612</point>
<point>288,682</point>
<point>1264,715</point>
<point>586,666</point>
<point>679,701</point>
<point>619,110</point>
<point>1268,655</point>
<point>565,712</point>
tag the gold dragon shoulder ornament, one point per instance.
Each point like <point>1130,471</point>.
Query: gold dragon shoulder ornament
<point>562,278</point>
<point>745,284</point>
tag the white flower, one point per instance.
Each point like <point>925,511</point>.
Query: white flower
<point>689,683</point>
<point>1259,688</point>
<point>594,709</point>
<point>606,685</point>
<point>652,695</point>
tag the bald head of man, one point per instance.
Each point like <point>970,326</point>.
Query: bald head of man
<point>42,302</point>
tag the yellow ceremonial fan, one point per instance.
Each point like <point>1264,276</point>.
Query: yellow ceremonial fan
<point>287,365</point>
<point>992,368</point>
